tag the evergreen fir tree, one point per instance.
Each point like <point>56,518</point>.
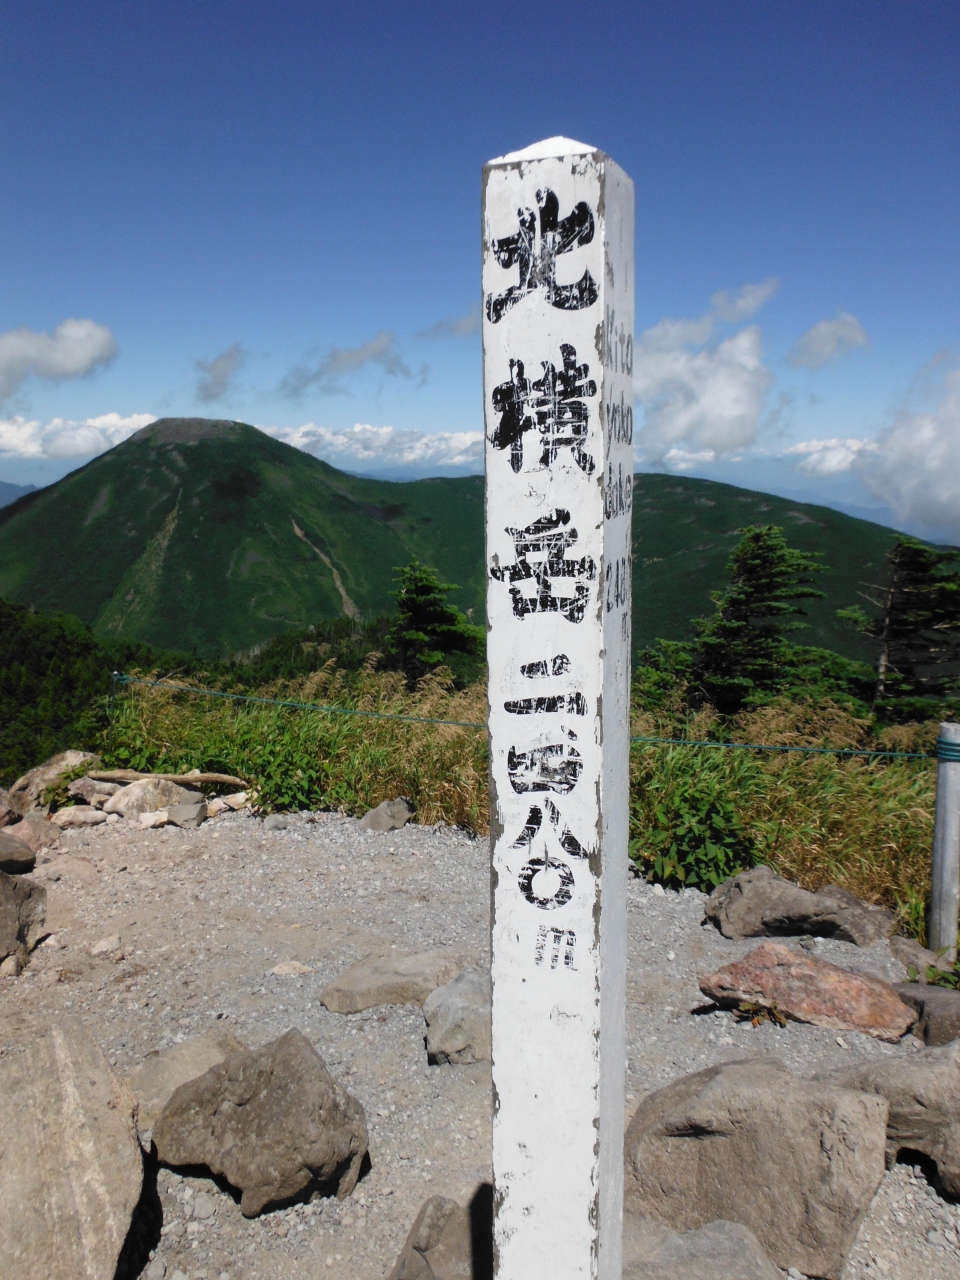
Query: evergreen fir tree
<point>428,629</point>
<point>740,651</point>
<point>917,625</point>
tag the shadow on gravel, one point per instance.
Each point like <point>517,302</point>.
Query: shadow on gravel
<point>481,1232</point>
<point>145,1224</point>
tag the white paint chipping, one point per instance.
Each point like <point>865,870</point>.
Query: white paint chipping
<point>558,356</point>
<point>544,150</point>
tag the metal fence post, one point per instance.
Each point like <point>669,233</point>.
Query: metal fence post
<point>945,888</point>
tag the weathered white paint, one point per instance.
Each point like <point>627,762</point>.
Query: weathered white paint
<point>945,886</point>
<point>559,452</point>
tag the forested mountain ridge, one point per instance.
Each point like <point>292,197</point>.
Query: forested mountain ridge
<point>210,536</point>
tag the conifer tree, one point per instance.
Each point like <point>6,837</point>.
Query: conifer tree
<point>917,624</point>
<point>740,650</point>
<point>427,629</point>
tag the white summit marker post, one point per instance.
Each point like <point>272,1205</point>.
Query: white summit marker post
<point>558,360</point>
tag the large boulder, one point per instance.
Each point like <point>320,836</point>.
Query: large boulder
<point>439,1245</point>
<point>923,1093</point>
<point>23,909</point>
<point>16,858</point>
<point>390,979</point>
<point>391,815</point>
<point>796,1161</point>
<point>149,794</point>
<point>35,831</point>
<point>458,1019</point>
<point>157,1078</point>
<point>27,791</point>
<point>806,989</point>
<point>759,902</point>
<point>937,1009</point>
<point>70,1166</point>
<point>718,1251</point>
<point>271,1120</point>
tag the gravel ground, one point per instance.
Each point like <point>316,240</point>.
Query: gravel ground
<point>204,915</point>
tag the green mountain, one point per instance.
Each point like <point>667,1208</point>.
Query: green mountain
<point>211,536</point>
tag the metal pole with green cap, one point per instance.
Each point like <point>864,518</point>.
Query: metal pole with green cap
<point>945,888</point>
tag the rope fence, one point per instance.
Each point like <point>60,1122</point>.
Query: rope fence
<point>945,749</point>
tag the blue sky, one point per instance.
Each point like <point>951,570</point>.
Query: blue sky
<point>271,212</point>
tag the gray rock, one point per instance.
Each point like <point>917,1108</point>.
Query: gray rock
<point>272,1121</point>
<point>439,1246</point>
<point>10,968</point>
<point>390,979</point>
<point>155,1080</point>
<point>16,858</point>
<point>910,953</point>
<point>23,909</point>
<point>35,831</point>
<point>27,791</point>
<point>923,1093</point>
<point>71,1169</point>
<point>156,1270</point>
<point>458,1019</point>
<point>718,1251</point>
<point>938,1011</point>
<point>148,795</point>
<point>187,815</point>
<point>796,1161</point>
<point>760,903</point>
<point>275,822</point>
<point>391,815</point>
<point>91,791</point>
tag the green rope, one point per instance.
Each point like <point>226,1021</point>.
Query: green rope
<point>947,750</point>
<point>469,724</point>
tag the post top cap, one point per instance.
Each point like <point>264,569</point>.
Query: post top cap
<point>544,150</point>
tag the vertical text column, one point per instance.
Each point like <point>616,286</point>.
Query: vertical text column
<point>558,360</point>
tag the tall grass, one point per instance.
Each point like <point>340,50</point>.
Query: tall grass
<point>698,814</point>
<point>307,759</point>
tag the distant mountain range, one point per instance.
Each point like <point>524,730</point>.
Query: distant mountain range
<point>212,536</point>
<point>11,492</point>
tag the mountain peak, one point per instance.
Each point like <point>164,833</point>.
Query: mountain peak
<point>190,430</point>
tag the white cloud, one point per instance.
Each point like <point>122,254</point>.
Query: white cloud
<point>455,326</point>
<point>916,466</point>
<point>217,374</point>
<point>827,341</point>
<point>741,305</point>
<point>74,348</point>
<point>367,448</point>
<point>64,438</point>
<point>829,457</point>
<point>687,459</point>
<point>697,392</point>
<point>326,374</point>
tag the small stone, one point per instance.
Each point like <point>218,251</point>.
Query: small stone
<point>391,815</point>
<point>390,979</point>
<point>289,968</point>
<point>79,815</point>
<point>458,1019</point>
<point>148,795</point>
<point>16,857</point>
<point>204,1206</point>
<point>10,967</point>
<point>186,815</point>
<point>156,1270</point>
<point>275,822</point>
<point>107,946</point>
